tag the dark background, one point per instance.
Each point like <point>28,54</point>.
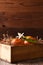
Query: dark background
<point>21,16</point>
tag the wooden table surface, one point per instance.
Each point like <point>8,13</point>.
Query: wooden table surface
<point>38,61</point>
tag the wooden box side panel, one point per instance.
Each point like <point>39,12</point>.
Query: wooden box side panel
<point>5,52</point>
<point>20,53</point>
<point>25,53</point>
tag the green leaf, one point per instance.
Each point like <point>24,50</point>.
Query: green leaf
<point>30,40</point>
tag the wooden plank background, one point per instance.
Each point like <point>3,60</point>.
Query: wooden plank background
<point>21,13</point>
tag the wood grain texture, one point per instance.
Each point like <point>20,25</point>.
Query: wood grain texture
<point>21,13</point>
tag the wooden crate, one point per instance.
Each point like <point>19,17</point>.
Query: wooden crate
<point>19,53</point>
